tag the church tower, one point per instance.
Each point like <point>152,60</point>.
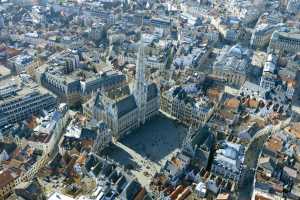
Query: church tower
<point>187,142</point>
<point>140,85</point>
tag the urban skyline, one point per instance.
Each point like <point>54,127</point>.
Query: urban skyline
<point>149,99</point>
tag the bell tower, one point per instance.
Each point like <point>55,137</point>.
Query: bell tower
<point>140,85</point>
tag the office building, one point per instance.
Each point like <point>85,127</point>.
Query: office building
<point>75,86</point>
<point>20,99</point>
<point>285,41</point>
<point>265,26</point>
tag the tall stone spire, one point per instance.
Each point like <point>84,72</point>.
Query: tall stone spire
<point>140,87</point>
<point>187,142</point>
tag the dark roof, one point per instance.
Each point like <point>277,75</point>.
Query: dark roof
<point>131,190</point>
<point>56,161</point>
<point>114,176</point>
<point>120,183</point>
<point>208,143</point>
<point>91,162</point>
<point>98,102</point>
<point>202,157</point>
<point>98,168</point>
<point>3,117</point>
<point>88,134</point>
<point>152,91</point>
<point>268,163</point>
<point>9,175</point>
<point>5,178</point>
<point>107,170</point>
<point>56,116</point>
<point>203,138</point>
<point>107,79</point>
<point>34,187</point>
<point>8,147</point>
<point>126,105</point>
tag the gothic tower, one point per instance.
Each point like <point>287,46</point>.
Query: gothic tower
<point>140,85</point>
<point>187,142</point>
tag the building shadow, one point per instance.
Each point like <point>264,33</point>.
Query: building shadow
<point>120,156</point>
<point>156,139</point>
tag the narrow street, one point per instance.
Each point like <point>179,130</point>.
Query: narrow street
<point>253,153</point>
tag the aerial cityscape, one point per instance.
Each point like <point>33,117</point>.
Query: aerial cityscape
<point>149,99</point>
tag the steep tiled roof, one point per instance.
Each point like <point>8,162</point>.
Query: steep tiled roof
<point>152,91</point>
<point>125,105</point>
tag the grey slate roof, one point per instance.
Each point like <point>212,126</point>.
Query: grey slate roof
<point>152,91</point>
<point>131,190</point>
<point>8,147</point>
<point>128,103</point>
<point>203,138</point>
<point>97,101</point>
<point>125,105</point>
